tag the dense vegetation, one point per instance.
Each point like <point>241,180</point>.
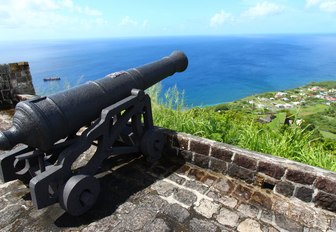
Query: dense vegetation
<point>301,143</point>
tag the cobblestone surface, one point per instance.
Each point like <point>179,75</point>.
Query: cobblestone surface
<point>179,197</point>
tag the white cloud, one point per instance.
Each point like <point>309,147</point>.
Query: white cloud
<point>323,5</point>
<point>220,18</point>
<point>263,9</point>
<point>46,14</point>
<point>311,3</point>
<point>128,21</point>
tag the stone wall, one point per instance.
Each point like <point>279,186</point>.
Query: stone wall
<point>15,79</point>
<point>288,178</point>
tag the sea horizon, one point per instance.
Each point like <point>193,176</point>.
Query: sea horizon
<point>221,68</point>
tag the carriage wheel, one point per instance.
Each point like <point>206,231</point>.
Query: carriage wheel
<point>80,194</point>
<point>152,144</point>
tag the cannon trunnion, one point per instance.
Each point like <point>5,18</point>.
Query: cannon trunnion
<point>117,119</point>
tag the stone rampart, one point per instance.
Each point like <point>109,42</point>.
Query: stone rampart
<point>285,177</point>
<point>15,79</point>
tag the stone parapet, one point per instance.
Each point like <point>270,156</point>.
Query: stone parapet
<point>282,176</point>
<point>15,79</point>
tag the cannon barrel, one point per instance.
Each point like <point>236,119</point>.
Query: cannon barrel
<point>42,121</point>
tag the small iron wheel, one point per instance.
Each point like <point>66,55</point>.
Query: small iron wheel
<point>80,194</point>
<point>152,144</point>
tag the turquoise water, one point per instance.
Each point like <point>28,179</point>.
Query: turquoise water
<point>221,69</point>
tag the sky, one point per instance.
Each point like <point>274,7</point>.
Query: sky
<point>73,19</point>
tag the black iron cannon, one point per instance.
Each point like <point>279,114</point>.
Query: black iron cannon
<point>117,118</point>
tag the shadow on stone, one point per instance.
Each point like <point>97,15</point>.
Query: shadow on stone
<point>121,178</point>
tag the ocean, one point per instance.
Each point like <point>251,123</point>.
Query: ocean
<point>221,69</point>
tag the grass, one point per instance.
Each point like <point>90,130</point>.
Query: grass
<point>241,129</point>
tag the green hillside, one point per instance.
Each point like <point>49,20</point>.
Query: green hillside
<point>304,133</point>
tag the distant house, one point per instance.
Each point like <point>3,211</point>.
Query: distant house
<point>279,94</point>
<point>280,106</point>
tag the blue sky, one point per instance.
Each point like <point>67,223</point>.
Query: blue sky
<point>68,19</point>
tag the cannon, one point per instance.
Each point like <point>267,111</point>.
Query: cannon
<point>113,114</point>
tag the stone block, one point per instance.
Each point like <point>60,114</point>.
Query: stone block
<point>217,165</point>
<point>304,194</point>
<point>187,155</point>
<point>325,200</point>
<point>176,178</point>
<point>242,193</point>
<point>157,225</point>
<point>327,185</point>
<point>227,201</point>
<point>201,160</point>
<point>221,153</point>
<point>227,217</point>
<point>196,186</point>
<point>198,225</point>
<point>248,210</point>
<point>180,142</point>
<point>262,200</point>
<point>236,171</point>
<point>249,225</point>
<point>199,147</point>
<point>224,185</point>
<point>196,174</point>
<point>285,188</point>
<point>207,208</point>
<point>177,212</point>
<point>301,177</point>
<point>186,197</point>
<point>270,169</point>
<point>285,223</point>
<point>246,162</point>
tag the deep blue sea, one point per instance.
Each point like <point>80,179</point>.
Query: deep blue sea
<point>221,69</point>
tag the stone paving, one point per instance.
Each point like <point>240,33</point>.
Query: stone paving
<point>167,196</point>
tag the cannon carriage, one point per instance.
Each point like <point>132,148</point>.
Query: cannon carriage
<point>116,115</point>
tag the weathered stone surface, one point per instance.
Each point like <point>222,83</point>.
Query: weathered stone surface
<point>217,165</point>
<point>186,197</point>
<point>224,185</point>
<point>304,194</point>
<point>261,200</point>
<point>287,224</point>
<point>248,210</point>
<point>207,208</point>
<point>199,147</point>
<point>285,188</point>
<point>325,200</point>
<point>327,185</point>
<point>266,216</point>
<point>249,225</point>
<point>227,217</point>
<point>176,178</point>
<point>236,171</point>
<point>187,155</point>
<point>197,225</point>
<point>163,188</point>
<point>180,142</point>
<point>242,192</point>
<point>177,212</point>
<point>270,169</point>
<point>225,200</point>
<point>201,160</point>
<point>196,174</point>
<point>209,179</point>
<point>157,225</point>
<point>245,162</point>
<point>221,153</point>
<point>202,188</point>
<point>300,176</point>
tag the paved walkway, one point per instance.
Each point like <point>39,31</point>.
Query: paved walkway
<point>169,196</point>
